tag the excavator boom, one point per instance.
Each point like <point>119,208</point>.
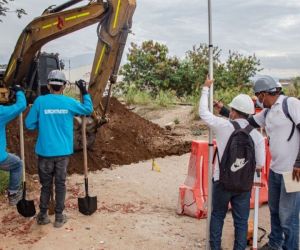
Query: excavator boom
<point>114,18</point>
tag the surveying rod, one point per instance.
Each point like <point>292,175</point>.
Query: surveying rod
<point>210,141</point>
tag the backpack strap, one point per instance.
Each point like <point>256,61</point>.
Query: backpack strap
<point>236,125</point>
<point>266,112</point>
<point>216,153</point>
<point>285,109</point>
<point>248,129</point>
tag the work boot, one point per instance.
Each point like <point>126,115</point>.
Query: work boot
<point>14,198</point>
<point>42,219</point>
<point>60,220</point>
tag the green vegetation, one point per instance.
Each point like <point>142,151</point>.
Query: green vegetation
<point>176,121</point>
<point>151,69</point>
<point>152,75</point>
<point>135,96</point>
<point>4,176</point>
<point>294,88</point>
<point>165,98</point>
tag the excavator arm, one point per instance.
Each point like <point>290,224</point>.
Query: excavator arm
<point>114,18</point>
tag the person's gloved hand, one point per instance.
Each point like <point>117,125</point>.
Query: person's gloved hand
<point>17,88</point>
<point>81,84</point>
<point>296,174</point>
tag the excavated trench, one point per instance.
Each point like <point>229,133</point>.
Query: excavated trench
<point>127,138</point>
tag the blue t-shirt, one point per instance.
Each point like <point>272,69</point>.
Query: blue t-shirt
<point>8,113</point>
<point>52,115</point>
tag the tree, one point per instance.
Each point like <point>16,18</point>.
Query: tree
<point>195,67</point>
<point>294,88</point>
<point>4,9</point>
<point>149,67</point>
<point>237,70</point>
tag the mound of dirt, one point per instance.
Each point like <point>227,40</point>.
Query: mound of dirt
<point>127,138</point>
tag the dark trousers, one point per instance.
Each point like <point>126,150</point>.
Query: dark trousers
<point>53,169</point>
<point>240,203</point>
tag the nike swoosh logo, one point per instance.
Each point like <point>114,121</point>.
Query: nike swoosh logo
<point>238,164</point>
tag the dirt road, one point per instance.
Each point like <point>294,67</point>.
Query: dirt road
<point>136,210</point>
<point>136,206</point>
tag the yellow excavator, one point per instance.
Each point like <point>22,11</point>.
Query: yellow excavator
<point>114,18</point>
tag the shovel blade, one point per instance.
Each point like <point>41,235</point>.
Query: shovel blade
<point>26,208</point>
<point>87,205</point>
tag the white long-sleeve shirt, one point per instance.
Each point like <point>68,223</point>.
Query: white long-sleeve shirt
<point>223,129</point>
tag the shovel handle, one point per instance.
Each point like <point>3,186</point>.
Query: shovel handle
<point>86,186</point>
<point>84,147</point>
<point>22,144</point>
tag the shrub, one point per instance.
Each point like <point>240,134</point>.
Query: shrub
<point>135,96</point>
<point>165,98</point>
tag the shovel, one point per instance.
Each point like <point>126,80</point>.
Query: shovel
<point>86,205</point>
<point>25,207</point>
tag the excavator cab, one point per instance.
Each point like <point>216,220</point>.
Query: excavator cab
<point>38,73</point>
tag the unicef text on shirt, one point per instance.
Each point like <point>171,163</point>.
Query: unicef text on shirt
<point>56,111</point>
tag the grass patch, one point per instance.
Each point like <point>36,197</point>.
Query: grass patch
<point>4,177</point>
<point>197,132</point>
<point>165,98</point>
<point>134,96</point>
<point>176,121</point>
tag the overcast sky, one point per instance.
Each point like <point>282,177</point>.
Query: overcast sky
<point>268,29</point>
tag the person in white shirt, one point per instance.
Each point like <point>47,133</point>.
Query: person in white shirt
<point>284,147</point>
<point>241,107</point>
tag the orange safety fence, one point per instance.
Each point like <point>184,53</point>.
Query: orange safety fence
<point>193,193</point>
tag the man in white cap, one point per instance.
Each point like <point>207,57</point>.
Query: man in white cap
<point>223,193</point>
<point>53,115</point>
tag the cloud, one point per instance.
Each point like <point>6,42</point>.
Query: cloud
<point>268,29</point>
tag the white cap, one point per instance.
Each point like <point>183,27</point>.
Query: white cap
<point>243,103</point>
<point>57,77</point>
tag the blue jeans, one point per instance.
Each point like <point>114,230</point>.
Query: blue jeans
<point>284,208</point>
<point>240,203</point>
<point>14,165</point>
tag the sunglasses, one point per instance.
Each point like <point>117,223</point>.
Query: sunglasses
<point>259,93</point>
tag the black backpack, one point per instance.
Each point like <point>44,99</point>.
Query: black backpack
<point>237,166</point>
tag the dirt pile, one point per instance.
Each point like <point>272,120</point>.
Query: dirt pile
<point>127,138</point>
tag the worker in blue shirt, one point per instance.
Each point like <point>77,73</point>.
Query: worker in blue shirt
<point>10,162</point>
<point>53,115</point>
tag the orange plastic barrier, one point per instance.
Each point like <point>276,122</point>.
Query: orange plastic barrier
<point>193,193</point>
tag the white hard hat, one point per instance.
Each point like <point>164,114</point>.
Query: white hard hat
<point>57,77</point>
<point>243,103</point>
